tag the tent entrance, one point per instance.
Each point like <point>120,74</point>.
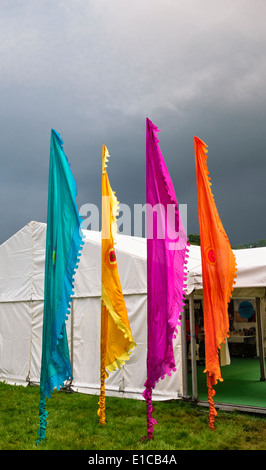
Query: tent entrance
<point>241,386</point>
<point>244,385</point>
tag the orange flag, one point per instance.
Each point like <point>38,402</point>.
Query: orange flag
<point>218,273</point>
<point>116,337</point>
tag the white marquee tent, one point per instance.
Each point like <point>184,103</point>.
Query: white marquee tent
<point>22,260</point>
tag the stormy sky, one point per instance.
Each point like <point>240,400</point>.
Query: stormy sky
<point>95,69</point>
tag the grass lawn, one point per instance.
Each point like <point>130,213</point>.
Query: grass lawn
<point>73,424</point>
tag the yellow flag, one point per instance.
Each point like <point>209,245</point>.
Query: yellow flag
<point>116,336</point>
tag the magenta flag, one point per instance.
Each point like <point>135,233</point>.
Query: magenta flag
<point>167,253</point>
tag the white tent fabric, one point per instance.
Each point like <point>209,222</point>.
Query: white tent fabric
<point>22,262</point>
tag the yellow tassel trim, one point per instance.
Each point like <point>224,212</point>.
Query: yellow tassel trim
<point>105,158</point>
<point>120,361</point>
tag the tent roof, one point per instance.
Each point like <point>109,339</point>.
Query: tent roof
<point>22,259</point>
<point>251,272</point>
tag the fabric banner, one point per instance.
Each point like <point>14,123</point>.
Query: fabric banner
<point>167,253</point>
<point>116,337</point>
<point>63,247</point>
<point>218,274</point>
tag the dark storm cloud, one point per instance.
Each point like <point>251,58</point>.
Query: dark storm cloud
<point>95,70</point>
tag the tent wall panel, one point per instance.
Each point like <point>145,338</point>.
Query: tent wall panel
<point>36,341</point>
<point>86,342</point>
<point>15,340</point>
<point>24,345</point>
<point>16,267</point>
<point>129,381</point>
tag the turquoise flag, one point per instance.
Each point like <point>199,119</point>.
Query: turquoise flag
<point>63,247</point>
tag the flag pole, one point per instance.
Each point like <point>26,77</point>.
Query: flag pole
<point>212,410</point>
<point>104,375</point>
<point>150,420</point>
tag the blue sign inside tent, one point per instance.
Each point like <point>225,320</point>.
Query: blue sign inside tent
<point>246,309</point>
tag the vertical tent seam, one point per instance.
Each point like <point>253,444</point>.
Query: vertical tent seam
<point>31,301</point>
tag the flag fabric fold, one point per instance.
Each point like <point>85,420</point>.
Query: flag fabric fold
<point>64,242</point>
<point>219,272</point>
<point>116,336</point>
<point>167,253</point>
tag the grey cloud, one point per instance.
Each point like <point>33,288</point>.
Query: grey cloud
<point>95,70</point>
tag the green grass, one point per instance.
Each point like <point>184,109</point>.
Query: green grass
<point>73,424</point>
